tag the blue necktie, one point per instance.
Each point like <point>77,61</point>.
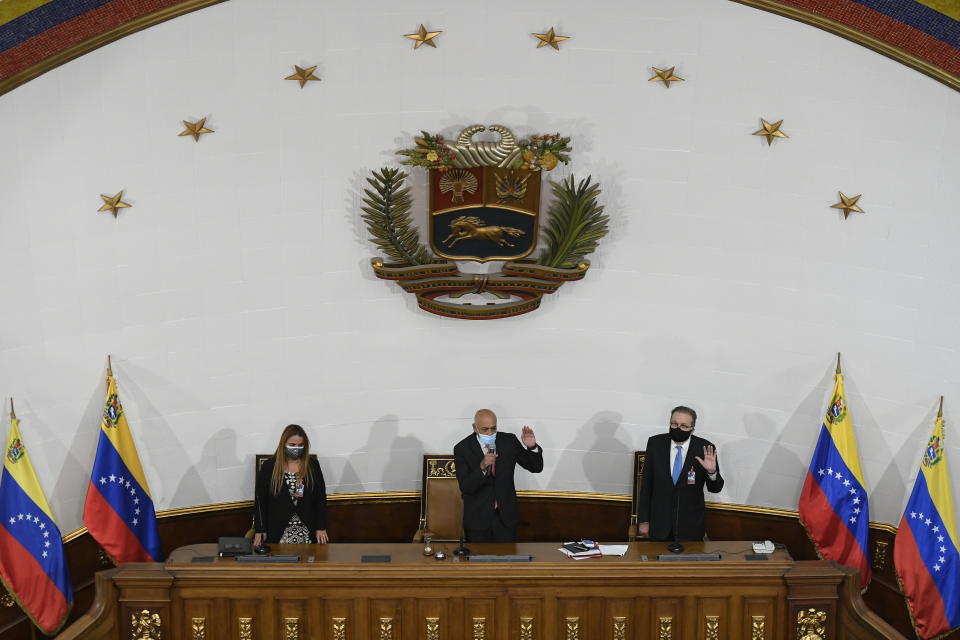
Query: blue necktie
<point>677,464</point>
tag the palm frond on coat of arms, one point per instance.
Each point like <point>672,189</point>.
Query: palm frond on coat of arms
<point>577,223</point>
<point>387,214</point>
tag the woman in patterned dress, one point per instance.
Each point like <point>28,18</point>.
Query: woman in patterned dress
<point>290,505</point>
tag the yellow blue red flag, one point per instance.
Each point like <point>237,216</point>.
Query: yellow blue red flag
<point>119,511</point>
<point>32,562</point>
<point>833,503</point>
<point>925,550</point>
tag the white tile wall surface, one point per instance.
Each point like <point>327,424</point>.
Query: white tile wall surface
<point>236,294</point>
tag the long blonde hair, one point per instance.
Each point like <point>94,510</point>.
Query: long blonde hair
<point>279,459</point>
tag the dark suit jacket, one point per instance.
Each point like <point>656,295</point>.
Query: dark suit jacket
<point>272,512</point>
<point>664,504</point>
<point>480,491</point>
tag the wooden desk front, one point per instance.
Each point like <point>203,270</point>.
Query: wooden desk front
<point>339,597</point>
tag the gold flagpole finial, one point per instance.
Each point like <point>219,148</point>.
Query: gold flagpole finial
<point>939,411</point>
<point>109,366</point>
<point>838,363</point>
<point>13,416</point>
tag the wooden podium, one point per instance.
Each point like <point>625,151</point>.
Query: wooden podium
<point>339,597</point>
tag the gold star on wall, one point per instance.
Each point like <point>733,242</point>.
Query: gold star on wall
<point>847,204</point>
<point>113,203</point>
<point>422,36</point>
<point>771,131</point>
<point>195,129</point>
<point>550,38</point>
<point>665,76</point>
<point>303,75</point>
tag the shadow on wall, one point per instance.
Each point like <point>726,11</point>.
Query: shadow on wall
<point>398,456</point>
<point>605,461</point>
<point>219,461</point>
<point>74,477</point>
<point>159,439</point>
<point>781,470</point>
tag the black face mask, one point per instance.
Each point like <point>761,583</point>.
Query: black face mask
<point>293,453</point>
<point>679,435</point>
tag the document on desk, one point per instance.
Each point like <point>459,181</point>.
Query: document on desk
<point>613,549</point>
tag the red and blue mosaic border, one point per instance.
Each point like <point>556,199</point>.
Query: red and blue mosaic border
<point>906,30</point>
<point>61,30</point>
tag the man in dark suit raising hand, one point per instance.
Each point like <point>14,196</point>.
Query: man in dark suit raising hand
<point>485,462</point>
<point>678,465</point>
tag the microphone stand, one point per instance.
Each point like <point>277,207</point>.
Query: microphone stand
<point>461,550</point>
<point>675,546</point>
<point>263,548</point>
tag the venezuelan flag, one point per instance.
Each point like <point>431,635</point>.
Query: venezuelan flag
<point>833,503</point>
<point>925,550</point>
<point>119,510</point>
<point>32,563</point>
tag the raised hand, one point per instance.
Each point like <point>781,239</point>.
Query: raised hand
<point>528,438</point>
<point>709,460</point>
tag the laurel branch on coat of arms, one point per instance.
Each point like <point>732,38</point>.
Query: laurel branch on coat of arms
<point>484,205</point>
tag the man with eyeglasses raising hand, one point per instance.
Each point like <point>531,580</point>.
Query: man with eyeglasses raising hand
<point>678,465</point>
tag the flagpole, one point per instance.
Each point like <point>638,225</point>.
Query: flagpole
<point>939,411</point>
<point>109,367</point>
<point>838,363</point>
<point>13,416</point>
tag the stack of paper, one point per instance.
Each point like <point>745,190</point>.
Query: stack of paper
<point>579,550</point>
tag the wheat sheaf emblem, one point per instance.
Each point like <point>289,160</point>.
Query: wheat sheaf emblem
<point>458,181</point>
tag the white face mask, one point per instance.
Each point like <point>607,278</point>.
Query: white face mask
<point>292,452</point>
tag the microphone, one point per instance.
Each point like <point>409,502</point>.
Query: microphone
<point>675,546</point>
<point>492,448</point>
<point>461,550</point>
<point>263,547</point>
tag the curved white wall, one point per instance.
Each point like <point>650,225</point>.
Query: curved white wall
<point>236,295</point>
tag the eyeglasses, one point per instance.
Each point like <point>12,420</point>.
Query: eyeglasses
<point>685,427</point>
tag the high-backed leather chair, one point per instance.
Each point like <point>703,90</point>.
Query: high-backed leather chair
<point>639,457</point>
<point>441,505</point>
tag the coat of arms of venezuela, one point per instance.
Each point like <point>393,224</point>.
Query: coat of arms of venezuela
<point>484,205</point>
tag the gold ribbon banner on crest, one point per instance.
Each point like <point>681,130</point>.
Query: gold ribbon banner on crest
<point>521,279</point>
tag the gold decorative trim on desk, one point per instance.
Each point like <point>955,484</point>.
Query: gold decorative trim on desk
<point>811,624</point>
<point>479,629</point>
<point>880,554</point>
<point>145,625</point>
<point>573,628</point>
<point>758,628</point>
<point>433,628</point>
<point>620,628</point>
<point>849,33</point>
<point>199,629</point>
<point>339,628</point>
<point>291,628</point>
<point>246,628</point>
<point>713,627</point>
<point>526,628</point>
<point>665,629</point>
<point>386,628</point>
